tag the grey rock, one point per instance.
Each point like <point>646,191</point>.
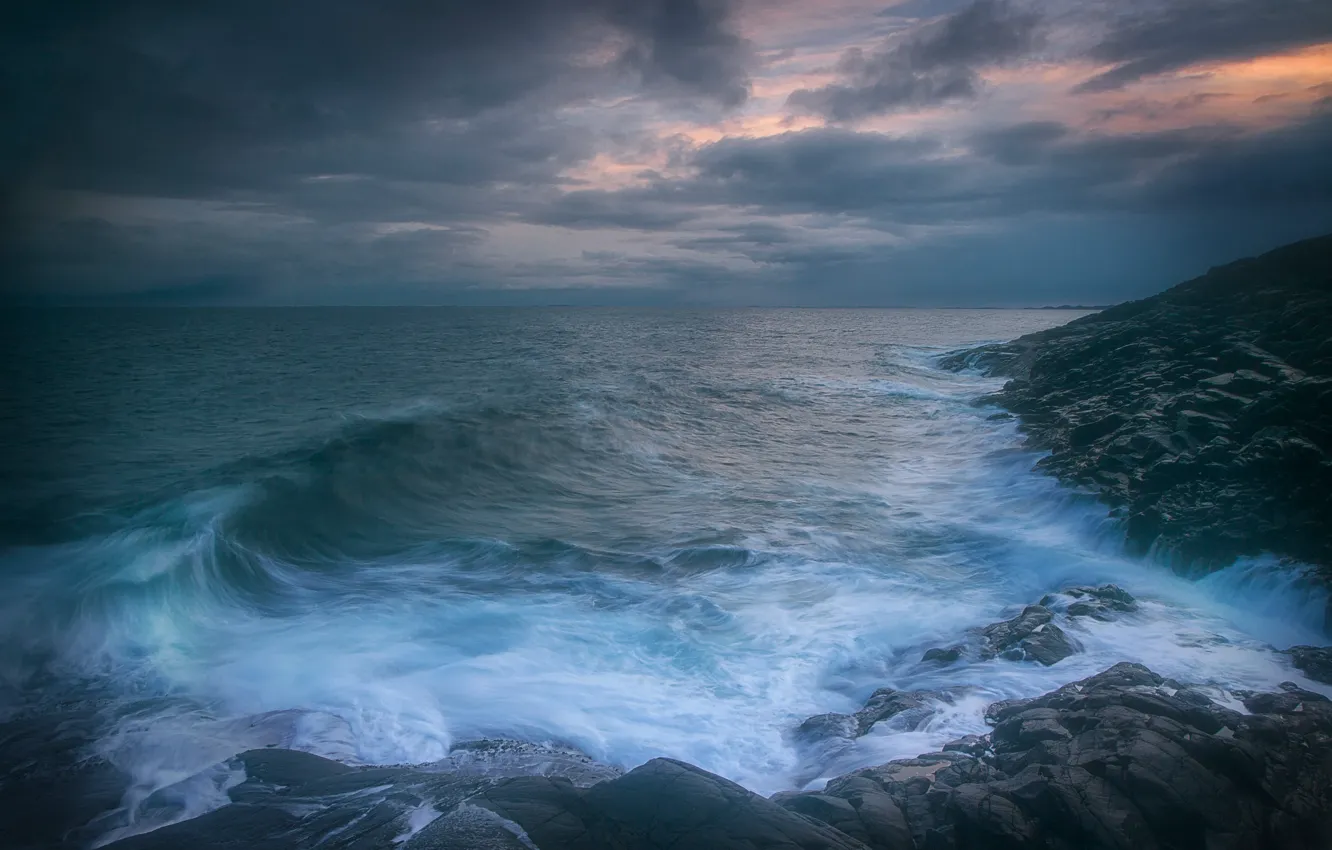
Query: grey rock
<point>971,745</point>
<point>1100,603</point>
<point>942,655</point>
<point>824,726</point>
<point>294,799</point>
<point>1313,661</point>
<point>663,804</point>
<point>1123,760</point>
<point>1030,636</point>
<point>907,709</point>
<point>470,827</point>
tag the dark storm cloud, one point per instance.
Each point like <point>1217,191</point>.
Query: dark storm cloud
<point>937,64</point>
<point>94,261</point>
<point>813,171</point>
<point>1035,166</point>
<point>1185,170</point>
<point>189,99</point>
<point>824,170</point>
<point>1185,32</point>
<point>685,46</point>
<point>887,182</point>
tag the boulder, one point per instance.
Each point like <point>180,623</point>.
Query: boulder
<point>1100,603</point>
<point>942,655</point>
<point>1030,636</point>
<point>906,709</point>
<point>663,804</point>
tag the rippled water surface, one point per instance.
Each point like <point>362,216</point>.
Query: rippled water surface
<point>639,533</point>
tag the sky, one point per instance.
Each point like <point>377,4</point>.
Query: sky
<point>665,152</point>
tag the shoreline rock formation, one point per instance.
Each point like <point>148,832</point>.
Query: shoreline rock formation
<point>1202,415</point>
<point>1124,759</point>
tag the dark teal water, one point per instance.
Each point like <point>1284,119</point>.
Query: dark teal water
<point>637,532</point>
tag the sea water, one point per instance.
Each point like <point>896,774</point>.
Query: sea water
<point>371,534</point>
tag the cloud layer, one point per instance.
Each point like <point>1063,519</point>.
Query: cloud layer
<point>655,151</point>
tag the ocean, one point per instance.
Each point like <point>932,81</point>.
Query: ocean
<point>375,533</point>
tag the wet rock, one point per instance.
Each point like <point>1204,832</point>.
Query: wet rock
<point>1289,700</point>
<point>863,812</point>
<point>942,655</point>
<point>906,709</point>
<point>50,788</point>
<point>822,739</point>
<point>287,768</point>
<point>971,745</point>
<point>1030,636</point>
<point>1124,759</point>
<point>1101,603</point>
<point>663,804</point>
<point>1313,661</point>
<point>824,726</point>
<point>293,799</point>
<point>504,757</point>
<point>470,827</point>
<point>1090,432</point>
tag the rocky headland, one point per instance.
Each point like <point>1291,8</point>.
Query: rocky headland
<point>1202,415</point>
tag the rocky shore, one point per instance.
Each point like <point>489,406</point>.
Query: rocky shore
<point>1123,759</point>
<point>1203,415</point>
